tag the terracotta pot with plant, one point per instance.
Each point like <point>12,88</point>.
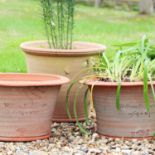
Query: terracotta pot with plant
<point>60,55</point>
<point>27,102</point>
<point>127,79</point>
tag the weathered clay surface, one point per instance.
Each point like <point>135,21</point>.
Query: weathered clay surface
<point>132,120</point>
<point>27,102</point>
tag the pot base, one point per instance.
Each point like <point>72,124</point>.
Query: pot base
<point>128,138</point>
<point>24,139</point>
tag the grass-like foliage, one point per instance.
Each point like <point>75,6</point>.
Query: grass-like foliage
<point>134,61</point>
<point>59,21</point>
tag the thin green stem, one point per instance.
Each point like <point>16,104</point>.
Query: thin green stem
<point>59,18</point>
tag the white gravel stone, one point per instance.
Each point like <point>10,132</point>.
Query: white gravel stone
<point>38,153</point>
<point>126,152</point>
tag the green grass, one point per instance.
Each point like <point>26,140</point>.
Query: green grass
<point>21,20</point>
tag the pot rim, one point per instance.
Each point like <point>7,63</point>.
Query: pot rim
<point>31,79</point>
<point>114,84</point>
<point>88,49</point>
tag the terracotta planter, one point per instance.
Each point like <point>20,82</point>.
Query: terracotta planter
<point>132,121</point>
<point>41,59</point>
<point>27,102</point>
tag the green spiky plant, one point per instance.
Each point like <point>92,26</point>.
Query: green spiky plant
<point>132,62</point>
<point>59,21</point>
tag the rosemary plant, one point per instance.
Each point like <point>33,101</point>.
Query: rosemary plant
<point>59,21</point>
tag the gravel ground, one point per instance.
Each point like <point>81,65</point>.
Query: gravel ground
<point>67,140</point>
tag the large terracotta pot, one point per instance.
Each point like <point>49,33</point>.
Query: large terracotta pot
<point>27,102</point>
<point>132,121</point>
<point>41,59</point>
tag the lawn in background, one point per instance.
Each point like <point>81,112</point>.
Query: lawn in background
<point>21,20</point>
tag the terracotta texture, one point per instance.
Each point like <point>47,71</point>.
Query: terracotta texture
<point>132,121</point>
<point>69,63</point>
<point>27,102</point>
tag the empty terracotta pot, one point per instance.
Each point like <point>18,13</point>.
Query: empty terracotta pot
<point>132,121</point>
<point>41,59</point>
<point>27,102</point>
